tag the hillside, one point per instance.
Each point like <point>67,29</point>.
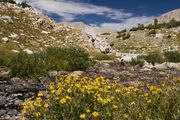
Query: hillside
<point>166,17</point>
<point>73,71</point>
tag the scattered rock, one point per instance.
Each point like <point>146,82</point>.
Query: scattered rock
<point>5,39</point>
<point>6,18</point>
<point>159,35</point>
<point>14,36</point>
<point>2,101</point>
<point>45,32</point>
<point>15,51</point>
<point>76,73</point>
<point>28,51</point>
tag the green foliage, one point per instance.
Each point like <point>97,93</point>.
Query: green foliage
<point>105,33</point>
<point>126,36</point>
<point>152,32</point>
<point>122,31</point>
<point>24,65</point>
<point>139,27</point>
<point>24,4</point>
<point>73,58</point>
<point>72,98</point>
<point>154,57</point>
<point>134,29</point>
<point>137,61</point>
<point>9,1</point>
<point>173,56</point>
<point>123,35</point>
<point>36,65</point>
<point>101,56</point>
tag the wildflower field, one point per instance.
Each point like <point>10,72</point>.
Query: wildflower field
<point>73,98</point>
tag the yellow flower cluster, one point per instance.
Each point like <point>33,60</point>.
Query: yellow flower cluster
<point>86,98</point>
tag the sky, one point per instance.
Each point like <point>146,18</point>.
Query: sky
<point>107,14</point>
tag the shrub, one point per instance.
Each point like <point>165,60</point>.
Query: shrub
<point>122,31</point>
<point>72,98</point>
<point>36,65</point>
<point>24,65</point>
<point>137,61</point>
<point>24,5</point>
<point>72,58</point>
<point>101,56</point>
<point>123,35</point>
<point>173,56</point>
<point>105,33</point>
<point>152,32</point>
<point>9,1</point>
<point>153,57</point>
<point>126,36</point>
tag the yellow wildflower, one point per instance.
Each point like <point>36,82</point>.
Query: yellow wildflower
<point>37,114</point>
<point>83,116</point>
<point>115,106</point>
<point>46,105</point>
<point>125,116</point>
<point>149,101</point>
<point>63,101</point>
<point>132,103</point>
<point>40,94</point>
<point>95,114</point>
<point>88,110</point>
<point>69,90</point>
<point>68,98</point>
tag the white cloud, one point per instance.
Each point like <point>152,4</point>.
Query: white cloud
<point>127,23</point>
<point>69,9</point>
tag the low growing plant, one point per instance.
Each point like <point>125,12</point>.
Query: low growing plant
<point>73,98</point>
<point>173,56</point>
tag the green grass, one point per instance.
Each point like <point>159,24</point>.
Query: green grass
<point>101,56</point>
<point>54,58</point>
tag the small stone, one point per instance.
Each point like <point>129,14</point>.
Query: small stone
<point>2,100</point>
<point>15,51</point>
<point>5,39</point>
<point>28,51</point>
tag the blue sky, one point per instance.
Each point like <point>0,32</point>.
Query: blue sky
<point>108,14</point>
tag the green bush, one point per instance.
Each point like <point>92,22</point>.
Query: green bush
<point>173,56</point>
<point>24,5</point>
<point>152,32</point>
<point>137,61</point>
<point>24,65</point>
<point>101,56</point>
<point>153,57</point>
<point>123,35</point>
<point>36,65</point>
<point>9,1</point>
<point>126,36</point>
<point>72,58</point>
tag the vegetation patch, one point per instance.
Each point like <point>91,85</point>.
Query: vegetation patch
<point>173,56</point>
<point>36,65</point>
<point>101,56</point>
<point>72,98</point>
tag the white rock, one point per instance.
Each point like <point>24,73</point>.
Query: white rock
<point>14,35</point>
<point>6,18</point>
<point>173,65</point>
<point>159,35</point>
<point>45,32</point>
<point>160,67</point>
<point>5,39</point>
<point>28,51</point>
<point>129,57</point>
<point>15,51</point>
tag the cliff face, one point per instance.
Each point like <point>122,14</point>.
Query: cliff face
<point>166,17</point>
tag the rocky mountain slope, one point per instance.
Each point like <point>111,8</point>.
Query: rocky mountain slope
<point>166,17</point>
<point>25,29</point>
